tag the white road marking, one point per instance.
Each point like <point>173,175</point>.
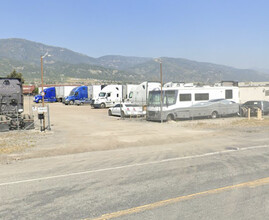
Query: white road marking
<point>134,165</point>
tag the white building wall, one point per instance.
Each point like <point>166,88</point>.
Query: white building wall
<point>248,93</point>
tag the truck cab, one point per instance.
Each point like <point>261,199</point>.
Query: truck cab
<point>49,95</point>
<point>109,96</point>
<point>78,93</point>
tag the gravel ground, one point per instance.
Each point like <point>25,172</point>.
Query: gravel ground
<point>77,129</point>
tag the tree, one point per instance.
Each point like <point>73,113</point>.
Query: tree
<point>15,74</point>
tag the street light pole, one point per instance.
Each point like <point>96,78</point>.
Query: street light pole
<point>42,86</point>
<point>161,79</point>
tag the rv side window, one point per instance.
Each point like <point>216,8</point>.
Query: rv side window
<point>170,97</point>
<point>184,97</point>
<point>201,96</point>
<point>131,95</point>
<point>228,94</point>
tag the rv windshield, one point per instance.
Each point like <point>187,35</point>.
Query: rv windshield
<point>154,98</point>
<point>72,92</point>
<point>169,98</point>
<point>102,94</point>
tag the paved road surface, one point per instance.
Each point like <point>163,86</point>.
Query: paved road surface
<point>139,183</point>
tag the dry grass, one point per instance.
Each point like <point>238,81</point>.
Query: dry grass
<point>17,141</point>
<point>253,122</point>
<point>227,123</point>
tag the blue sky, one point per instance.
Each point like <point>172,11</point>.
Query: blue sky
<point>229,32</point>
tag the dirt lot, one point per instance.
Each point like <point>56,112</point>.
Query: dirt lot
<point>78,129</point>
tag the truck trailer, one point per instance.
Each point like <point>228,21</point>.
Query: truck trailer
<point>139,94</point>
<point>11,106</point>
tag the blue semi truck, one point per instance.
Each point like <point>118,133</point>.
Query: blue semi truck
<point>50,95</point>
<point>82,93</point>
<point>78,93</point>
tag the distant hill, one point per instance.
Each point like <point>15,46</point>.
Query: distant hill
<point>24,56</point>
<point>30,52</point>
<point>177,69</point>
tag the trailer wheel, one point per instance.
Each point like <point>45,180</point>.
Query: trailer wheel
<point>103,105</point>
<point>169,117</point>
<point>214,114</point>
<point>109,113</point>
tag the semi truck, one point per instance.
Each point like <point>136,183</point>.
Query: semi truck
<point>54,94</point>
<point>49,95</point>
<point>109,96</point>
<point>83,92</point>
<point>139,94</point>
<point>11,106</point>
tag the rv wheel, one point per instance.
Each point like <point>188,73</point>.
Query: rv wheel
<point>102,105</point>
<point>214,115</point>
<point>169,117</point>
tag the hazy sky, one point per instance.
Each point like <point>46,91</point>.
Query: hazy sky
<point>230,32</point>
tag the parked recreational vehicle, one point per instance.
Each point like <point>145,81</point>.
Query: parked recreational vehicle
<point>179,102</point>
<point>109,96</point>
<point>140,94</point>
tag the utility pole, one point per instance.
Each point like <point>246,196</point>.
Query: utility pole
<point>161,79</point>
<point>42,86</point>
<point>43,94</point>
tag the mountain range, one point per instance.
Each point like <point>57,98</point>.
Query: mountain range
<point>64,64</point>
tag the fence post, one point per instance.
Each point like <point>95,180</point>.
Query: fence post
<point>259,114</point>
<point>48,117</point>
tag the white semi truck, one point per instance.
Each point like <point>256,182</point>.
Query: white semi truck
<point>139,94</point>
<point>109,96</point>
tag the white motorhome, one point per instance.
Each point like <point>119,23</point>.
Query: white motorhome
<point>178,101</point>
<point>109,96</point>
<point>139,95</point>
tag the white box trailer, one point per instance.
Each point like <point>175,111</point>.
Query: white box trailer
<point>249,93</point>
<point>40,88</point>
<point>94,90</point>
<point>62,92</point>
<point>139,94</point>
<point>127,89</point>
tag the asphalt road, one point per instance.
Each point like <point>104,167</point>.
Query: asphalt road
<point>139,183</point>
